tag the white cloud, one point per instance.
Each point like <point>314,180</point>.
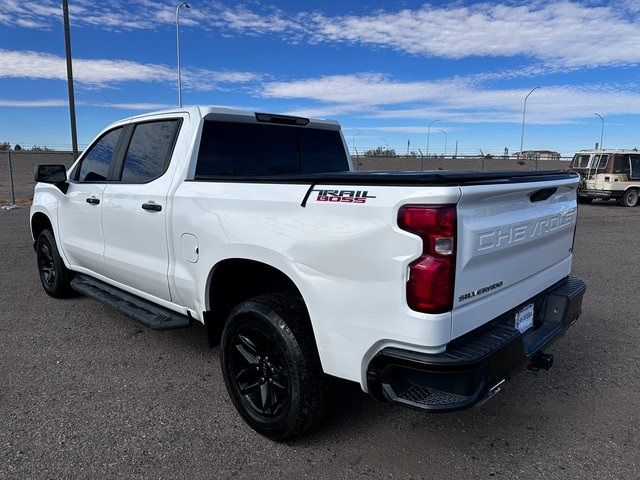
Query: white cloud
<point>47,102</point>
<point>566,34</point>
<point>104,72</point>
<point>136,106</point>
<point>456,100</point>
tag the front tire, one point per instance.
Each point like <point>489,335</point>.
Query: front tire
<point>271,366</point>
<point>55,277</point>
<point>585,200</point>
<point>630,198</point>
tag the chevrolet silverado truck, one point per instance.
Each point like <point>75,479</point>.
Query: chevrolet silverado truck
<point>430,289</point>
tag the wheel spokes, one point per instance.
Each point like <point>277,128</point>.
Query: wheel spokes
<point>247,350</point>
<point>251,388</point>
<point>258,373</point>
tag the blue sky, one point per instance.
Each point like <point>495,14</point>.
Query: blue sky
<point>383,69</point>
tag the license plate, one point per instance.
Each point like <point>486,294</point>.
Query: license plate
<point>524,318</point>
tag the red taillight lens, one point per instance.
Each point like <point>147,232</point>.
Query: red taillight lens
<point>431,277</point>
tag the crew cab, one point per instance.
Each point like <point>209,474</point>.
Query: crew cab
<point>430,289</point>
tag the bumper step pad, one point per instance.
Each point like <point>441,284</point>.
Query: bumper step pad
<point>141,310</point>
<point>418,395</point>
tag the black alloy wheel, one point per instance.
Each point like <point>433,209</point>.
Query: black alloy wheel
<point>271,366</point>
<point>55,277</point>
<point>260,376</point>
<point>46,264</point>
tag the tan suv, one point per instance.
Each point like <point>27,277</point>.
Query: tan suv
<point>608,174</point>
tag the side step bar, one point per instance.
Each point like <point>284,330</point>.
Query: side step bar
<point>141,310</point>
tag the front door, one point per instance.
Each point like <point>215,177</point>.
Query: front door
<point>134,211</point>
<point>80,212</point>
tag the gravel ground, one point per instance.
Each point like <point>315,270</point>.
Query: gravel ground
<point>87,393</point>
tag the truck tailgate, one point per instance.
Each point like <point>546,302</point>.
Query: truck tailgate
<point>514,240</point>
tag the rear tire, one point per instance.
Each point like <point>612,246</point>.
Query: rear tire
<point>585,200</point>
<point>271,366</point>
<point>55,277</point>
<point>630,198</point>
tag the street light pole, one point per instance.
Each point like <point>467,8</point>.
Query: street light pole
<point>429,134</point>
<point>72,101</point>
<point>186,5</point>
<point>524,114</point>
<point>601,129</point>
<point>445,140</point>
<point>353,141</point>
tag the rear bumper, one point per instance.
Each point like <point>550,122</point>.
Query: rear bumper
<point>592,193</point>
<point>474,365</point>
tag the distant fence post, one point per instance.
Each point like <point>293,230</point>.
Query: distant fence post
<point>12,205</point>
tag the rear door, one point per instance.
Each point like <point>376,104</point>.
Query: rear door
<point>134,215</point>
<point>514,240</point>
<point>80,212</point>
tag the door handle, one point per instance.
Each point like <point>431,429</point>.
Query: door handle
<point>153,207</point>
<point>93,200</point>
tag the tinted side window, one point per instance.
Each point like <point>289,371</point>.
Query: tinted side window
<point>620,164</point>
<point>580,161</point>
<point>95,164</point>
<point>149,151</point>
<point>602,162</point>
<point>259,149</point>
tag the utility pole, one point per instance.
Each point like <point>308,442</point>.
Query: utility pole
<point>186,5</point>
<point>455,155</point>
<point>408,145</point>
<point>524,113</point>
<point>72,101</point>
<point>601,129</point>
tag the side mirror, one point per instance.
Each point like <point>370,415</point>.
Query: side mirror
<point>56,174</point>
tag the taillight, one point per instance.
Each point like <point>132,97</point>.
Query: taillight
<point>431,277</point>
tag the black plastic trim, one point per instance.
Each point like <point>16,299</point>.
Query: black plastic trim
<point>394,178</point>
<point>600,193</point>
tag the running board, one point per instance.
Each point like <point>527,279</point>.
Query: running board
<point>141,310</point>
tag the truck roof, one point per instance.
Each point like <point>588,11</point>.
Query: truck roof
<point>592,151</point>
<point>232,114</point>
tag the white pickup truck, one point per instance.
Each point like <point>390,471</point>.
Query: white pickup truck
<point>430,289</point>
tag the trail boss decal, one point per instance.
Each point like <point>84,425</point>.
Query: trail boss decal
<point>343,196</point>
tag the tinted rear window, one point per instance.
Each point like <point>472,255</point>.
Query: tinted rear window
<point>260,149</point>
<point>620,164</point>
